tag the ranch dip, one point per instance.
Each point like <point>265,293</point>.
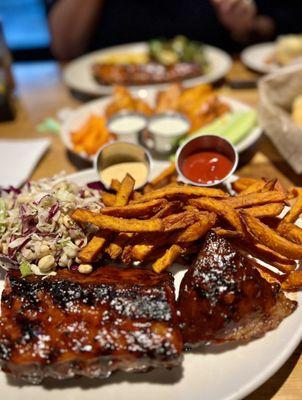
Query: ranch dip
<point>128,123</point>
<point>168,125</point>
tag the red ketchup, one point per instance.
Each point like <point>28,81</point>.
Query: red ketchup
<point>206,167</point>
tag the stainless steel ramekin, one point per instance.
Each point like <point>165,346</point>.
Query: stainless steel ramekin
<point>205,143</point>
<point>165,143</point>
<point>132,136</point>
<point>119,152</point>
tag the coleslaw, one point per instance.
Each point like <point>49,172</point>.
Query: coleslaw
<point>36,233</point>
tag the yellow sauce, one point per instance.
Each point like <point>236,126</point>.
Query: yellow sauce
<point>138,170</point>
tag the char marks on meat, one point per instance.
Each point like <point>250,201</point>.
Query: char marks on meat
<point>144,74</point>
<point>224,298</point>
<point>71,325</point>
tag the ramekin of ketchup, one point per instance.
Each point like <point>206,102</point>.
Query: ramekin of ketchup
<point>206,160</point>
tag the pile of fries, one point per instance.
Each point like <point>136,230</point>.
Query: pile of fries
<point>91,136</point>
<point>167,222</point>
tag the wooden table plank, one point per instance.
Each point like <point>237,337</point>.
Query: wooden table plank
<point>41,94</point>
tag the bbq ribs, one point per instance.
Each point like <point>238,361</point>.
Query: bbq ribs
<point>125,318</point>
<point>70,325</point>
<point>224,298</point>
<point>143,74</point>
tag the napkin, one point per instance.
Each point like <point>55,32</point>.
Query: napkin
<point>18,159</point>
<point>277,92</point>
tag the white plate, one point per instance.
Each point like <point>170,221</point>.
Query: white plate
<point>78,76</point>
<point>77,118</point>
<point>256,57</point>
<point>226,372</point>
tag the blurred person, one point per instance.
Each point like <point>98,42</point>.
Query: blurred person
<point>79,26</point>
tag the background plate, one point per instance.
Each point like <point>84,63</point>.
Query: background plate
<point>227,372</point>
<point>256,56</point>
<point>78,117</point>
<point>77,74</point>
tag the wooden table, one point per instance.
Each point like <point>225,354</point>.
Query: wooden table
<point>41,94</point>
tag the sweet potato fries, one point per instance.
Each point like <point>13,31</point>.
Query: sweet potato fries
<point>165,223</point>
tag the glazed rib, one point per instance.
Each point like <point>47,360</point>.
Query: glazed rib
<point>224,298</point>
<point>70,325</point>
<point>143,74</point>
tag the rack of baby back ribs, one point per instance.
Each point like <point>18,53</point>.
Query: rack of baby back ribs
<point>127,317</point>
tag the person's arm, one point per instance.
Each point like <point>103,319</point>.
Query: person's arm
<point>71,24</point>
<point>241,19</point>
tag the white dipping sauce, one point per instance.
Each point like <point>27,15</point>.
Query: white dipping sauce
<point>124,124</point>
<point>138,171</point>
<point>169,125</point>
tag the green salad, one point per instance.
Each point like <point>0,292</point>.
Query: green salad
<point>177,50</point>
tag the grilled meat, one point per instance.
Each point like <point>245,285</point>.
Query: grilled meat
<point>70,325</point>
<point>224,298</point>
<point>143,74</point>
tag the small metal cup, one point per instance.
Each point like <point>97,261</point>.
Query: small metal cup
<point>205,143</point>
<point>132,136</point>
<point>162,143</point>
<point>119,152</point>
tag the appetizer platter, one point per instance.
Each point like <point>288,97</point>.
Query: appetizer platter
<point>147,65</point>
<point>269,57</point>
<point>86,129</point>
<point>89,286</point>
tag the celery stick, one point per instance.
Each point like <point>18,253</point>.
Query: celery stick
<point>215,127</point>
<point>240,127</point>
<point>232,126</point>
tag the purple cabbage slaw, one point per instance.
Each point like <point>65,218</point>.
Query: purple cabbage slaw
<point>35,222</point>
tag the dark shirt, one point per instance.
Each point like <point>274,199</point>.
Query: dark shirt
<point>125,21</point>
